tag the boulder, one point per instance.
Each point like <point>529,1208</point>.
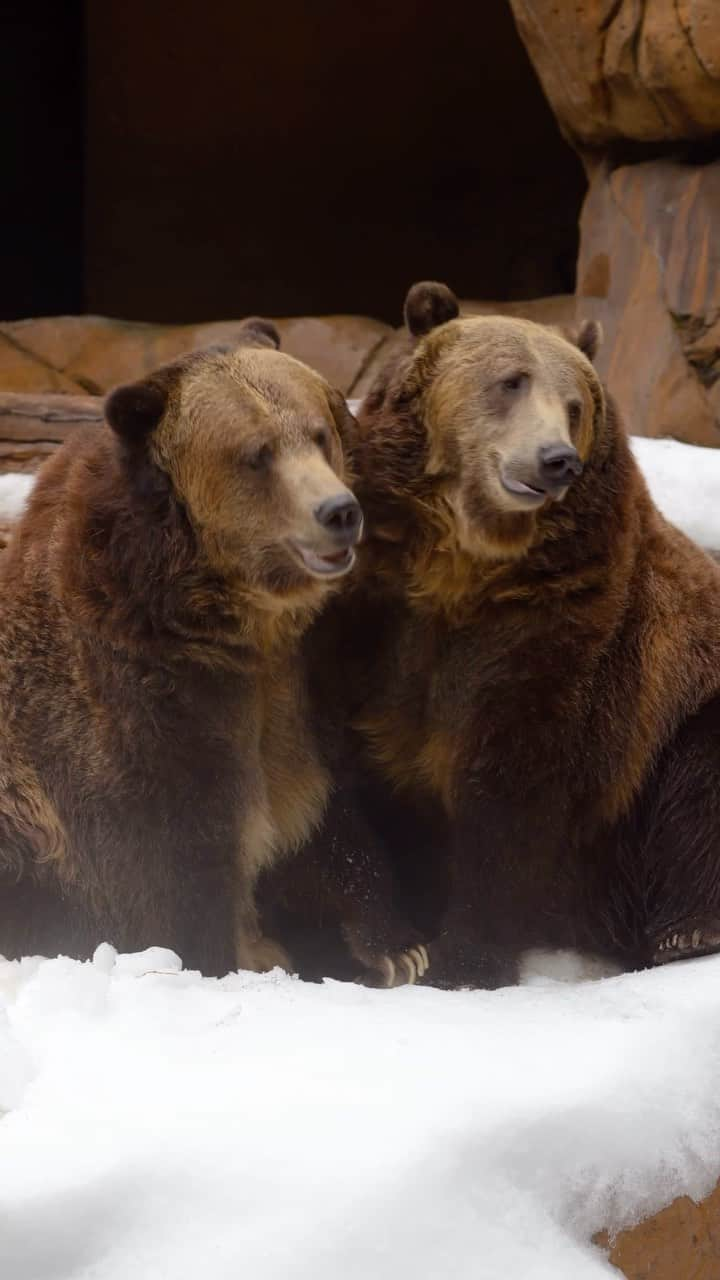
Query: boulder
<point>33,425</point>
<point>649,268</point>
<point>681,1242</point>
<point>626,69</point>
<point>22,370</point>
<point>93,354</point>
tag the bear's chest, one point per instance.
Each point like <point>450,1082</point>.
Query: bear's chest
<point>286,783</point>
<point>415,723</point>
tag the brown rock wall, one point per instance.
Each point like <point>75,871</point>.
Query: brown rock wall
<point>649,267</point>
<point>92,354</point>
<point>33,425</point>
<point>643,70</point>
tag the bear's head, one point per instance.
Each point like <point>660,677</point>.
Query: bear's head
<point>487,422</point>
<point>247,443</point>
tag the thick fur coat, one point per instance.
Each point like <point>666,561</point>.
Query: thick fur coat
<point>155,751</point>
<point>545,655</point>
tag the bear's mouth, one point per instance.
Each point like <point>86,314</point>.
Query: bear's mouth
<point>330,564</point>
<point>532,495</point>
<point>519,489</point>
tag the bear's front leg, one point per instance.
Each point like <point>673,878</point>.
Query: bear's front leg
<point>507,889</point>
<point>358,879</point>
<point>194,915</point>
<point>391,954</point>
<point>253,950</point>
<point>462,958</point>
<point>678,861</point>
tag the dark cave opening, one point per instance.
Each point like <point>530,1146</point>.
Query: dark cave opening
<point>304,159</point>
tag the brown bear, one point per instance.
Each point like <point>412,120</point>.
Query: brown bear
<point>545,654</point>
<point>155,751</point>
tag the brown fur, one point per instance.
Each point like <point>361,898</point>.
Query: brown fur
<point>545,671</point>
<point>155,752</point>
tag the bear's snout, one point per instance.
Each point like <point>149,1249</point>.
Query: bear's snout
<point>548,475</point>
<point>558,466</point>
<point>341,517</point>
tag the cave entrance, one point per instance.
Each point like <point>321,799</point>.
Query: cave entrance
<point>291,159</point>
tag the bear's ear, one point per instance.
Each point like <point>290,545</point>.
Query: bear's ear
<point>429,304</point>
<point>257,332</point>
<point>589,338</point>
<point>347,428</point>
<point>216,349</point>
<point>133,411</point>
<point>254,332</point>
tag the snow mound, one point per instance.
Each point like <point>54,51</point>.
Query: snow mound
<point>158,1124</point>
<point>14,491</point>
<point>684,480</point>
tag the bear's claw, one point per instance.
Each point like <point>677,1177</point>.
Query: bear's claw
<point>679,944</point>
<point>402,968</point>
<point>261,955</point>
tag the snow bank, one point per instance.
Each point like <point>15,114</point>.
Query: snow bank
<point>14,490</point>
<point>684,480</point>
<point>159,1125</point>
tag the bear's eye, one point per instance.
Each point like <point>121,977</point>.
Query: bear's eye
<point>513,382</point>
<point>260,459</point>
<point>574,412</point>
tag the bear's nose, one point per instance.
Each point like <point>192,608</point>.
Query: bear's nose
<point>341,516</point>
<point>559,465</point>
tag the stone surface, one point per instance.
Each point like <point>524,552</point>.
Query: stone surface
<point>33,425</point>
<point>644,70</point>
<point>681,1242</point>
<point>22,370</point>
<point>93,354</point>
<point>649,268</point>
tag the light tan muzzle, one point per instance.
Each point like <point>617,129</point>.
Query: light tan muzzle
<point>325,517</point>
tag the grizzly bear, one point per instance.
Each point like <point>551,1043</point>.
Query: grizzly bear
<point>155,749</point>
<point>545,654</point>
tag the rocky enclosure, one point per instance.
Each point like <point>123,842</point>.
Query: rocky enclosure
<point>616,70</point>
<point>635,87</point>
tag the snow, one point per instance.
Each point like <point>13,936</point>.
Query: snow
<point>165,1126</point>
<point>684,480</point>
<point>162,1126</point>
<point>14,491</point>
